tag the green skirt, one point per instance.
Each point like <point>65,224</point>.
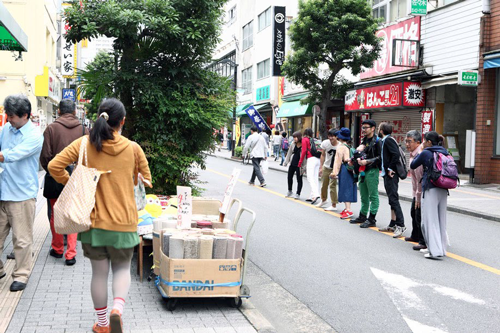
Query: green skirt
<point>116,239</point>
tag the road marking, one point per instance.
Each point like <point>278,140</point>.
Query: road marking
<point>402,291</point>
<point>448,254</point>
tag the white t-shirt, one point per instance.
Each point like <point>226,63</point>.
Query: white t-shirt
<point>330,150</point>
<point>277,139</point>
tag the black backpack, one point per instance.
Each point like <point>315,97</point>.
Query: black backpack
<point>314,151</point>
<point>401,167</point>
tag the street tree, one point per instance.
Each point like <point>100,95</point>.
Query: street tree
<point>161,49</point>
<point>330,34</point>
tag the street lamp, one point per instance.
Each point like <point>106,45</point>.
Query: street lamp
<point>235,66</point>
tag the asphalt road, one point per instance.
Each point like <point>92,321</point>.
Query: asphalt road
<point>361,280</point>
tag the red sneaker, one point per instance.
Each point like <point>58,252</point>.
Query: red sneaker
<point>100,329</point>
<point>346,214</point>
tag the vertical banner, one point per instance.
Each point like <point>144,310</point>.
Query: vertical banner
<point>68,50</point>
<point>184,207</point>
<point>256,118</point>
<point>229,191</point>
<point>278,39</point>
<point>281,90</point>
<point>237,132</point>
<point>427,120</point>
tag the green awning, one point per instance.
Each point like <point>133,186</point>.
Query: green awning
<point>240,109</point>
<point>296,97</point>
<point>12,37</point>
<point>294,109</point>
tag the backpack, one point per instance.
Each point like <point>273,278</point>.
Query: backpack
<point>401,167</point>
<point>444,173</point>
<point>284,144</point>
<point>315,147</point>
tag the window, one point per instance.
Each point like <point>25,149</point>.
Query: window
<point>231,16</point>
<point>248,36</point>
<point>379,9</point>
<point>398,9</point>
<point>265,19</point>
<point>246,74</point>
<point>263,69</point>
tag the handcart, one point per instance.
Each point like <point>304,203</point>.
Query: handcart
<point>235,296</point>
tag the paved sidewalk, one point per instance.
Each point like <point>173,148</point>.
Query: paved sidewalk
<point>57,299</point>
<point>481,201</point>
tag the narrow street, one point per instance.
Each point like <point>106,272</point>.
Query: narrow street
<point>359,280</point>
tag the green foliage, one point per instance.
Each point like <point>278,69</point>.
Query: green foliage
<point>157,70</point>
<point>333,33</point>
<point>238,151</point>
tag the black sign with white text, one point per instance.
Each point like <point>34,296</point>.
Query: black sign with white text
<point>278,39</point>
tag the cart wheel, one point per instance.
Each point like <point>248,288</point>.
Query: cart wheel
<point>235,302</point>
<point>171,304</point>
<point>245,290</point>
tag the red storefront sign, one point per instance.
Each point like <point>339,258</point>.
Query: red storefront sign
<point>400,94</point>
<point>427,120</point>
<point>407,30</point>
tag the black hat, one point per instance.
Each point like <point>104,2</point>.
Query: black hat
<point>370,122</point>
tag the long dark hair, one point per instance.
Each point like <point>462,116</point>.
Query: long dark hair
<point>297,135</point>
<point>103,129</point>
<point>434,138</point>
<point>308,132</point>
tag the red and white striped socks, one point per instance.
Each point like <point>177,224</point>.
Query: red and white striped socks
<point>118,304</point>
<point>102,316</point>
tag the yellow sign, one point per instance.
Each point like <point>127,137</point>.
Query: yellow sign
<point>237,131</point>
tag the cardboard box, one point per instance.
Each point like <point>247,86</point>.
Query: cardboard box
<point>156,252</point>
<point>203,273</point>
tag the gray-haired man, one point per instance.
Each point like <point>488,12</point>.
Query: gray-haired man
<point>414,146</point>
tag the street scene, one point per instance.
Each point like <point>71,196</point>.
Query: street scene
<point>249,166</point>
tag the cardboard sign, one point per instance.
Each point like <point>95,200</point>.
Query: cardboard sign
<point>184,207</point>
<point>229,190</point>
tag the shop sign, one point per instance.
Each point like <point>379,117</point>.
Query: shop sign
<point>468,78</point>
<point>237,132</point>
<point>418,7</point>
<point>278,39</point>
<point>281,90</point>
<point>407,30</point>
<point>54,88</point>
<point>256,118</point>
<point>427,120</point>
<point>68,51</point>
<point>69,94</point>
<point>263,93</point>
<point>407,94</point>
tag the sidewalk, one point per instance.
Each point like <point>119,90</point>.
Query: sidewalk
<point>57,298</point>
<point>481,201</point>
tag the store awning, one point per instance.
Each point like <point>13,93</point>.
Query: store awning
<point>294,109</point>
<point>12,37</point>
<point>240,109</point>
<point>440,81</point>
<point>492,60</point>
<point>295,97</point>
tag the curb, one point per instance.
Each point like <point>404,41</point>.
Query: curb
<point>450,208</point>
<point>258,321</point>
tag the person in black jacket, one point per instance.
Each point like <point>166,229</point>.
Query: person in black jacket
<point>368,189</point>
<point>390,159</point>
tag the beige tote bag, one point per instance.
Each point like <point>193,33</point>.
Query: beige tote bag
<point>77,200</point>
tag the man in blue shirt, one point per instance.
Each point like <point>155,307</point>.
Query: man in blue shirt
<point>20,147</point>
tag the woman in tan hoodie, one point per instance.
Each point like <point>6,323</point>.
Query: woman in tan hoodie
<point>113,235</point>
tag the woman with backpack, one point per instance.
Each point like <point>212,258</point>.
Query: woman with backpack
<point>434,199</point>
<point>312,155</point>
<point>113,234</point>
<point>293,157</point>
<point>348,191</point>
<point>285,146</point>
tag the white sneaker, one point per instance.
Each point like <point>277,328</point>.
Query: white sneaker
<point>321,204</point>
<point>424,251</point>
<point>288,194</point>
<point>296,196</point>
<point>331,209</point>
<point>399,232</point>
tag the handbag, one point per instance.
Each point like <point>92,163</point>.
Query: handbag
<point>139,189</point>
<point>77,200</point>
<point>264,165</point>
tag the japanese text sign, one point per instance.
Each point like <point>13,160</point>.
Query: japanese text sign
<point>229,191</point>
<point>407,94</point>
<point>263,93</point>
<point>427,120</point>
<point>408,30</point>
<point>278,39</point>
<point>69,94</point>
<point>256,118</point>
<point>418,7</point>
<point>184,207</point>
<point>468,78</point>
<point>68,51</point>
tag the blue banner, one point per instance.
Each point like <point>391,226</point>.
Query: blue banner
<point>257,118</point>
<point>69,94</point>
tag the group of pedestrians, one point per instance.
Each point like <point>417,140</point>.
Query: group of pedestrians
<point>113,235</point>
<point>333,166</point>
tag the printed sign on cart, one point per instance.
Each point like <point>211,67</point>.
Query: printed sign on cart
<point>229,190</point>
<point>184,207</point>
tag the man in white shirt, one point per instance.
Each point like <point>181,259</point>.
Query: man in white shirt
<point>258,152</point>
<point>329,148</point>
